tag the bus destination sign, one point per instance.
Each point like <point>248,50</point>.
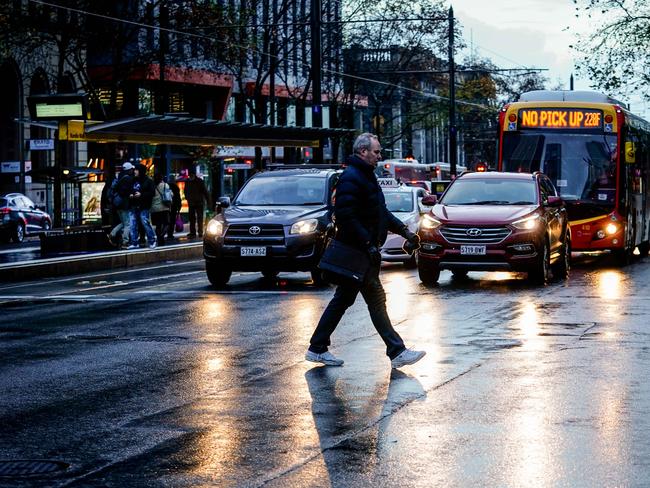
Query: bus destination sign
<point>560,118</point>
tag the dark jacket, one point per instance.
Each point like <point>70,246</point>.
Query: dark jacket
<point>145,186</point>
<point>362,219</point>
<point>195,192</point>
<point>123,189</point>
<point>176,200</point>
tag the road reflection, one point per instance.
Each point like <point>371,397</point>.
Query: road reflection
<point>353,434</point>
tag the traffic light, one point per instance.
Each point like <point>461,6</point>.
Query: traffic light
<point>307,153</point>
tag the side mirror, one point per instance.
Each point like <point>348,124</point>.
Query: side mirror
<point>554,201</point>
<point>429,200</point>
<point>223,202</point>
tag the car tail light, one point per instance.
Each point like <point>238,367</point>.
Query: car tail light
<point>5,210</point>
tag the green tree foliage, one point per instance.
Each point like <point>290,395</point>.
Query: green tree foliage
<point>615,50</point>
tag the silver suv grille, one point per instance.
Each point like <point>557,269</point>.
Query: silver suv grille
<point>268,234</point>
<point>474,234</point>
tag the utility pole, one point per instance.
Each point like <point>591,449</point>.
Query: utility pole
<point>453,149</point>
<point>316,108</point>
<point>571,82</point>
<point>273,54</point>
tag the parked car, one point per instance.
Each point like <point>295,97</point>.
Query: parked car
<point>20,217</point>
<point>277,222</point>
<point>405,202</point>
<point>496,221</point>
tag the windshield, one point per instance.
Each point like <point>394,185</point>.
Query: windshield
<point>399,201</point>
<point>491,192</point>
<point>283,190</point>
<point>581,166</point>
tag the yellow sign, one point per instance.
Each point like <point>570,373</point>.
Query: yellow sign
<point>560,118</point>
<point>630,152</point>
<point>72,130</point>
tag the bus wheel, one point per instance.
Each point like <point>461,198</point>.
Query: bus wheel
<point>644,249</point>
<point>540,274</point>
<point>217,275</point>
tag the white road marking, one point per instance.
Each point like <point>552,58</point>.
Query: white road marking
<point>19,250</point>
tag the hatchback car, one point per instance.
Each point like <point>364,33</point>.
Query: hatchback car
<point>19,217</point>
<point>496,221</point>
<point>405,202</point>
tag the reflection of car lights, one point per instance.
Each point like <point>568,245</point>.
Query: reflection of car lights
<point>611,229</point>
<point>214,228</point>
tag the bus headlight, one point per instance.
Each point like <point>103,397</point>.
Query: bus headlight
<point>214,228</point>
<point>429,223</point>
<point>304,226</point>
<point>529,223</point>
<point>611,229</point>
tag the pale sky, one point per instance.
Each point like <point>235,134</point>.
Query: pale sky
<point>530,33</point>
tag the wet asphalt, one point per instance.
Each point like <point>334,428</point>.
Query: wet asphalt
<point>149,377</point>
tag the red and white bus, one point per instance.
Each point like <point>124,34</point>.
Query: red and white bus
<point>596,153</point>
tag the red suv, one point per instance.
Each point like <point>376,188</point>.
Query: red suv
<point>496,221</point>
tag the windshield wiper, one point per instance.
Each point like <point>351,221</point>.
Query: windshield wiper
<point>312,203</point>
<point>486,202</point>
<point>521,202</point>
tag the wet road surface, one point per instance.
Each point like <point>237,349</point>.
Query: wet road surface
<point>149,377</point>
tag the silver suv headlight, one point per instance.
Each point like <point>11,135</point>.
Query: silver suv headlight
<point>214,228</point>
<point>304,226</point>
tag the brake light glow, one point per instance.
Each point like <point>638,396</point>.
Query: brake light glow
<point>5,210</point>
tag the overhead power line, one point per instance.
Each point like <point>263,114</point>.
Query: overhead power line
<point>221,41</point>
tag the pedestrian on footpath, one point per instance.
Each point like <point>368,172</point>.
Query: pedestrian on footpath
<point>362,221</point>
<point>140,205</point>
<point>160,207</point>
<point>175,208</point>
<point>195,194</point>
<point>119,196</point>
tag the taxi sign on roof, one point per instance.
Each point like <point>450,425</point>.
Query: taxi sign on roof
<point>388,182</point>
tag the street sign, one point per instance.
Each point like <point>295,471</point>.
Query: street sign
<point>58,107</point>
<point>41,144</point>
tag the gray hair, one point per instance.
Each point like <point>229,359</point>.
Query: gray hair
<point>362,142</point>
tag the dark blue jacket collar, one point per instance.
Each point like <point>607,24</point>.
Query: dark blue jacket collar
<point>357,162</point>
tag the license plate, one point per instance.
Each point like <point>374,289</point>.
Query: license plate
<point>473,250</point>
<point>253,251</point>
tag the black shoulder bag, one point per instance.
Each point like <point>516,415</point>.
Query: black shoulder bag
<point>342,263</point>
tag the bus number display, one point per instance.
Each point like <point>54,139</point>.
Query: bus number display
<point>556,118</point>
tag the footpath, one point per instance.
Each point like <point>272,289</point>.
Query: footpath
<point>34,266</point>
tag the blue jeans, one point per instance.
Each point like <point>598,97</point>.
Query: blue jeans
<point>123,226</point>
<point>141,215</point>
<point>345,295</point>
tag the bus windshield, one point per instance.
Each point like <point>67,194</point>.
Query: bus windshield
<point>581,166</point>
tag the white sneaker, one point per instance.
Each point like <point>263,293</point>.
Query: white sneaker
<point>133,246</point>
<point>407,356</point>
<point>153,245</point>
<point>326,358</point>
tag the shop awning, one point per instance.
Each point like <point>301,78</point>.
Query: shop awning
<point>166,129</point>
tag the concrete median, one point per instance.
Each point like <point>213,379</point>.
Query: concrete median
<point>99,261</point>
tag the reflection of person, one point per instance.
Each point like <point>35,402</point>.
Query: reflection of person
<point>195,193</point>
<point>341,412</point>
<point>363,221</point>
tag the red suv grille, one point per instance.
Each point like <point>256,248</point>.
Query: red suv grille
<point>474,234</point>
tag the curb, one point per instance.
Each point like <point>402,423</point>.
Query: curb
<point>101,261</point>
